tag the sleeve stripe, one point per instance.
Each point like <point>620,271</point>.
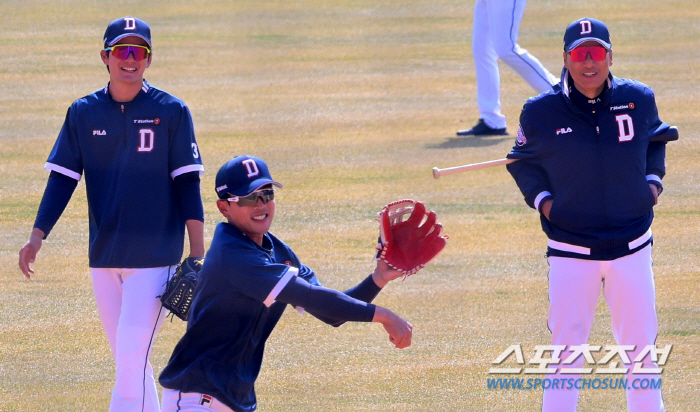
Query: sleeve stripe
<point>540,197</point>
<point>280,285</point>
<point>186,169</point>
<point>653,178</point>
<point>62,170</point>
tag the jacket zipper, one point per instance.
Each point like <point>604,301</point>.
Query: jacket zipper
<point>124,131</point>
<point>604,200</point>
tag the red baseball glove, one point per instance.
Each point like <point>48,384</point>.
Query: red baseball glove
<point>409,237</point>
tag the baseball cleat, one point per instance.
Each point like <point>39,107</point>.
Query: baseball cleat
<point>482,129</point>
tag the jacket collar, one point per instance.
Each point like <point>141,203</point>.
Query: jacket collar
<point>567,83</point>
<point>267,244</point>
<point>145,88</point>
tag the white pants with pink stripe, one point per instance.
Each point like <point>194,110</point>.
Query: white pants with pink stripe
<point>628,288</point>
<point>131,315</point>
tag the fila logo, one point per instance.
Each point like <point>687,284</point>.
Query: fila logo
<point>564,130</point>
<point>206,400</point>
<point>147,137</point>
<point>585,26</point>
<point>99,133</point>
<point>130,23</point>
<point>251,167</point>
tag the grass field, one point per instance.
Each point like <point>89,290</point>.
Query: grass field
<point>351,103</point>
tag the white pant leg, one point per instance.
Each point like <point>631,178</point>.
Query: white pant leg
<point>107,287</point>
<point>488,80</point>
<point>131,315</point>
<point>176,401</point>
<point>574,287</point>
<point>506,15</point>
<point>631,296</point>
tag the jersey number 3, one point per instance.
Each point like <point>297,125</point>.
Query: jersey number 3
<point>625,127</point>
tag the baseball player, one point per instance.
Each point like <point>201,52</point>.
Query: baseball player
<point>495,36</point>
<point>588,166</point>
<point>135,144</point>
<point>248,279</point>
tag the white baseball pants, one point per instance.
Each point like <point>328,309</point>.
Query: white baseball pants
<point>495,36</point>
<point>131,315</point>
<point>176,401</point>
<point>628,288</point>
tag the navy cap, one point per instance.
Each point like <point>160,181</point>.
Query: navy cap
<point>241,176</point>
<point>124,27</point>
<point>586,29</point>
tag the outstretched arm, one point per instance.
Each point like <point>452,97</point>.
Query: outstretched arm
<point>366,290</point>
<point>331,304</point>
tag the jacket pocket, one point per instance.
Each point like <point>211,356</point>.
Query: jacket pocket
<point>554,213</point>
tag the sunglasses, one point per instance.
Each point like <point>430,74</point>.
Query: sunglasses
<point>122,51</point>
<point>252,199</point>
<point>580,54</point>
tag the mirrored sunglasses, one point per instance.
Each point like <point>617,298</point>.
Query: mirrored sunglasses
<point>252,199</point>
<point>580,54</point>
<point>122,51</point>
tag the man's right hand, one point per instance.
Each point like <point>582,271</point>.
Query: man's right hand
<point>546,208</point>
<point>399,330</point>
<point>28,252</point>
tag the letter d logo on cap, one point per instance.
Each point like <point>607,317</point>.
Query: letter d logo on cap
<point>130,23</point>
<point>585,27</point>
<point>252,167</point>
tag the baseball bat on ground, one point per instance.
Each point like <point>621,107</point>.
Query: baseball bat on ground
<point>668,135</point>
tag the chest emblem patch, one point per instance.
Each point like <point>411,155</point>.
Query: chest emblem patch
<point>619,107</point>
<point>155,121</point>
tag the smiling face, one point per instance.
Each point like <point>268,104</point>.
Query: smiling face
<point>589,75</point>
<point>127,71</point>
<point>252,221</point>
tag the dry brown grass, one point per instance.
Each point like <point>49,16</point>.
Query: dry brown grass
<point>351,103</point>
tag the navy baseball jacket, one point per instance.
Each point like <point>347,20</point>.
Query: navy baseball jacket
<point>130,153</point>
<point>595,165</point>
<point>235,309</point>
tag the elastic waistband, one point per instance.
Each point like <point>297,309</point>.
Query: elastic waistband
<point>566,247</point>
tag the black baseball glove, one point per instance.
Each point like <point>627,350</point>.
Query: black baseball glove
<point>179,290</point>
